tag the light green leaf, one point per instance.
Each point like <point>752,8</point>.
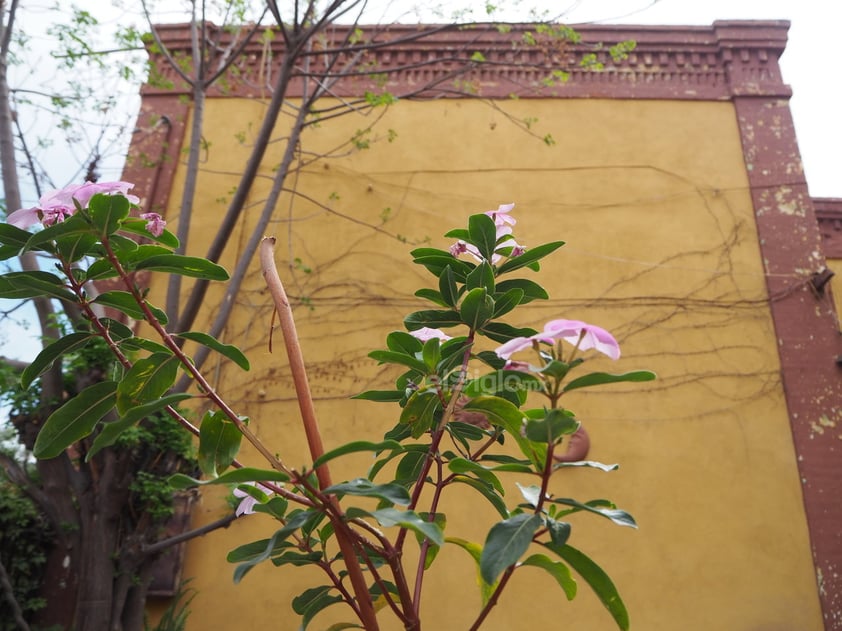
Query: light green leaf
<point>506,543</point>
<point>356,447</point>
<point>388,517</point>
<point>219,442</point>
<point>75,419</point>
<point>146,380</point>
<point>419,412</point>
<point>475,550</point>
<point>558,570</point>
<point>107,211</point>
<point>393,493</point>
<point>234,476</point>
<point>227,350</point>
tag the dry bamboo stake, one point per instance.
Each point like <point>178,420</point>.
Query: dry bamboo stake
<point>311,426</point>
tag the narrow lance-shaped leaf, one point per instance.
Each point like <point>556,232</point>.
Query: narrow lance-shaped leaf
<point>19,285</point>
<point>598,580</point>
<point>185,266</point>
<point>530,256</point>
<point>558,570</point>
<point>125,302</point>
<point>47,357</point>
<point>146,380</point>
<point>474,549</point>
<point>227,350</point>
<point>356,447</point>
<point>313,601</point>
<point>599,378</point>
<point>251,554</point>
<point>75,419</point>
<point>393,493</point>
<point>411,520</point>
<point>234,476</point>
<point>507,541</point>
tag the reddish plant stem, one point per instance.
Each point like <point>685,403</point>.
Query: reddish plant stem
<point>311,429</point>
<point>507,574</point>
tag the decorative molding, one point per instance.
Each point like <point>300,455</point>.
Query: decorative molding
<point>718,62</point>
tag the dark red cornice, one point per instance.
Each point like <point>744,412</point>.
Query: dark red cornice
<point>829,215</point>
<point>729,58</point>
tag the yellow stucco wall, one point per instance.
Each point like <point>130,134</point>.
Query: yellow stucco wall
<point>651,198</point>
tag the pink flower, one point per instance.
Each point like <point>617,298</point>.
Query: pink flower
<point>248,503</point>
<point>58,205</point>
<point>581,334</point>
<point>425,333</point>
<point>502,218</point>
<point>155,224</point>
<point>503,222</point>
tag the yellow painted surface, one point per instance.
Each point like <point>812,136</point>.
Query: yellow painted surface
<point>651,198</point>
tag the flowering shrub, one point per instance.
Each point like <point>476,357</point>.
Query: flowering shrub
<point>449,427</point>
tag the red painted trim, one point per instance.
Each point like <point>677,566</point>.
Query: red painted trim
<point>829,214</point>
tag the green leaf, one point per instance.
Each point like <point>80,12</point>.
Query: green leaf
<point>185,266</point>
<point>123,301</point>
<point>505,414</point>
<point>138,226</point>
<point>234,476</point>
<point>431,354</point>
<point>411,520</point>
<point>72,226</point>
<point>432,295</point>
<point>433,319</point>
<point>477,308</point>
<point>437,260</point>
<point>357,447</point>
<point>487,491</point>
<point>530,256</point>
<point>531,289</point>
<point>599,581</point>
<point>393,357</point>
<point>18,285</point>
<point>76,246</point>
<point>47,357</point>
<point>482,276</point>
<point>599,378</point>
<point>312,601</point>
<point>559,531</point>
<point>555,424</point>
<point>219,442</point>
<point>619,517</point>
<point>587,463</point>
<point>13,236</point>
<point>419,412</point>
<point>393,493</point>
<point>483,234</point>
<point>276,507</point>
<point>75,419</point>
<point>447,287</point>
<point>387,396</point>
<point>251,554</point>
<point>474,549</point>
<point>502,332</point>
<point>507,541</point>
<point>403,342</point>
<point>111,430</point>
<point>146,380</point>
<point>227,350</point>
<point>107,212</point>
<point>558,570</point>
<point>463,465</point>
<point>410,467</point>
<point>508,301</point>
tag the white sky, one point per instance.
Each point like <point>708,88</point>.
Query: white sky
<point>810,65</point>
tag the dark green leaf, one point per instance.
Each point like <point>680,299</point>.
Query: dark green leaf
<point>219,442</point>
<point>619,517</point>
<point>507,541</point>
<point>531,289</point>
<point>107,211</point>
<point>76,246</point>
<point>185,266</point>
<point>234,476</point>
<point>477,308</point>
<point>389,396</point>
<point>555,424</point>
<point>436,263</point>
<point>508,301</point>
<point>483,234</point>
<point>227,350</point>
<point>502,332</point>
<point>138,226</point>
<point>72,226</point>
<point>447,287</point>
<point>250,556</point>
<point>47,357</point>
<point>146,381</point>
<point>599,378</point>
<point>13,236</point>
<point>599,581</point>
<point>388,517</point>
<point>431,354</point>
<point>311,602</point>
<point>393,493</point>
<point>458,233</point>
<point>296,559</point>
<point>432,295</point>
<point>111,430</point>
<point>433,319</point>
<point>410,467</point>
<point>276,507</point>
<point>393,357</point>
<point>356,447</point>
<point>463,465</point>
<point>123,301</point>
<point>18,285</point>
<point>75,419</point>
<point>403,342</point>
<point>482,276</point>
<point>140,343</point>
<point>487,491</point>
<point>558,570</point>
<point>530,256</point>
<point>559,531</point>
